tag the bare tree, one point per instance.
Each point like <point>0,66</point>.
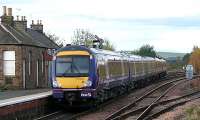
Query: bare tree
<point>83,37</point>
<point>107,45</point>
<point>86,38</point>
<point>55,38</point>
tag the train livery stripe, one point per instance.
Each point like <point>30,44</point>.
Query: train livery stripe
<point>71,82</point>
<point>72,53</point>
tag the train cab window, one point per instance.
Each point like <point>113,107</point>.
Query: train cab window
<point>72,66</point>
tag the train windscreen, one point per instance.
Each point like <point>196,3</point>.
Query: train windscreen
<point>72,66</point>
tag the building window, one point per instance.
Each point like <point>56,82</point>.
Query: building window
<point>29,62</point>
<point>42,63</point>
<point>9,63</point>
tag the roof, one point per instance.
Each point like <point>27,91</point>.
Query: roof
<point>10,35</point>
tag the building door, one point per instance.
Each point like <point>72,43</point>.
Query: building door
<point>37,72</point>
<point>24,74</point>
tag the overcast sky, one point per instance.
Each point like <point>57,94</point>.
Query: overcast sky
<point>168,25</point>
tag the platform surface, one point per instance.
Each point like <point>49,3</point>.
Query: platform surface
<point>18,96</point>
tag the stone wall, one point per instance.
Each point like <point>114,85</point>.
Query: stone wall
<point>22,54</point>
<point>36,55</point>
<point>12,81</point>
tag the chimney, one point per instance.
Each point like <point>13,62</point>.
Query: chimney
<point>9,11</point>
<point>7,18</point>
<point>21,24</point>
<point>4,11</point>
<point>37,27</point>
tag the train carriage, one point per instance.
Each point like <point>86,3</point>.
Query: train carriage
<point>84,74</point>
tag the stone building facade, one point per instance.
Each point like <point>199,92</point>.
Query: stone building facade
<point>24,58</point>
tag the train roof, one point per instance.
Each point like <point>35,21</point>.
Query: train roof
<point>109,53</point>
<point>74,48</point>
<point>106,52</point>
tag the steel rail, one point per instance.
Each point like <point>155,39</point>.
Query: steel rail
<point>141,116</point>
<point>170,107</point>
<point>117,113</point>
<point>138,110</point>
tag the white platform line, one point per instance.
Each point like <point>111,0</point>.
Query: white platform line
<point>22,99</point>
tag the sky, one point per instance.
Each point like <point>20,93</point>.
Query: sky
<point>168,25</point>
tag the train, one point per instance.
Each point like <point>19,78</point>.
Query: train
<point>92,75</point>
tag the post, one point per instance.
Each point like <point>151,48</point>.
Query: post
<point>189,72</point>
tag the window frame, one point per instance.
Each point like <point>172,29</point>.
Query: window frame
<point>9,60</point>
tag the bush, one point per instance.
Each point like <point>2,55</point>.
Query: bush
<point>193,113</point>
<point>3,87</point>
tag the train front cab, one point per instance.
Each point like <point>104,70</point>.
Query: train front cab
<point>73,75</point>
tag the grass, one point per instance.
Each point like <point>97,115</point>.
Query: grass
<point>193,113</point>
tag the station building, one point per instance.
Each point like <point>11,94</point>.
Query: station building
<point>25,53</point>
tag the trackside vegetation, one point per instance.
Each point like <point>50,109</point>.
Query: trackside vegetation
<point>193,113</point>
<point>194,59</point>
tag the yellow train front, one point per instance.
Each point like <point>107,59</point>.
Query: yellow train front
<point>73,74</point>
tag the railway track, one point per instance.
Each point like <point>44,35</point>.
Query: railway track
<point>66,115</point>
<point>135,111</point>
<point>163,106</point>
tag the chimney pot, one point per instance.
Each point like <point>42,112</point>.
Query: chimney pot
<point>4,11</point>
<point>38,26</point>
<point>17,17</point>
<point>32,22</point>
<point>9,11</point>
<point>24,18</point>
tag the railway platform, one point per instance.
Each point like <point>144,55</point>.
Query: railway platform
<point>20,93</point>
<point>24,104</point>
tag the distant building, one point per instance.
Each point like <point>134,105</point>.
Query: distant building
<point>24,53</point>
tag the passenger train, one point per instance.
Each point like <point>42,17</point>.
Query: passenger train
<point>81,74</point>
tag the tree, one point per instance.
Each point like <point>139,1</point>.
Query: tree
<point>145,50</point>
<point>186,58</point>
<point>55,39</point>
<point>195,59</point>
<point>135,52</point>
<point>84,37</point>
<point>107,45</point>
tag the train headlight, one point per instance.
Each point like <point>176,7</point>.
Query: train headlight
<point>56,84</point>
<point>88,83</point>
